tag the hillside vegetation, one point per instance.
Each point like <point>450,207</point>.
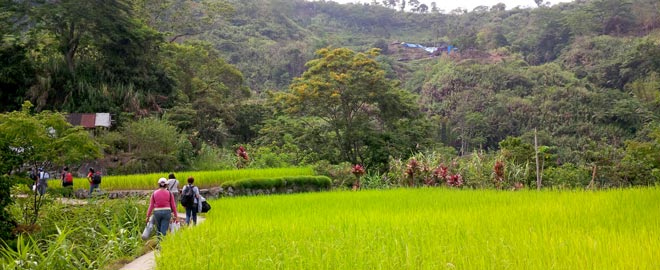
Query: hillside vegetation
<point>319,83</point>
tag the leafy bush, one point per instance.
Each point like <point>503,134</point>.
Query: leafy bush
<point>265,157</point>
<point>7,222</point>
<point>375,181</point>
<point>87,236</point>
<point>340,173</point>
<point>210,158</point>
<point>566,176</point>
<point>318,182</point>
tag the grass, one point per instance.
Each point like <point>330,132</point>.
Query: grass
<point>425,229</point>
<point>203,179</point>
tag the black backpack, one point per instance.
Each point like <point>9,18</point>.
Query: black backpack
<point>96,178</point>
<point>188,197</point>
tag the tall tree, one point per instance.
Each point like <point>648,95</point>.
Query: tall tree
<point>44,139</point>
<point>349,91</point>
<point>90,56</point>
<point>209,91</point>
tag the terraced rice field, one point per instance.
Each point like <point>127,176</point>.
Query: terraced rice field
<point>425,229</point>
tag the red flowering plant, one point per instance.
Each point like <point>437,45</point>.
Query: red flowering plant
<point>412,169</point>
<point>240,152</point>
<point>358,171</point>
<point>455,180</point>
<point>243,157</point>
<point>498,172</point>
<point>441,173</point>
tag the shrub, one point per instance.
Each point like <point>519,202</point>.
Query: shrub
<point>340,173</point>
<point>317,182</point>
<point>566,176</point>
<point>375,181</point>
<point>87,236</point>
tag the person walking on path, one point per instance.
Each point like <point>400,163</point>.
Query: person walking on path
<point>67,181</point>
<point>94,179</point>
<point>163,207</point>
<point>190,200</point>
<point>173,186</point>
<point>42,183</point>
<point>67,178</point>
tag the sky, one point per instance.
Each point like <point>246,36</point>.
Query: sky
<point>467,4</point>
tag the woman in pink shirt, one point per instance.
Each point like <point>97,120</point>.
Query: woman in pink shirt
<point>163,206</point>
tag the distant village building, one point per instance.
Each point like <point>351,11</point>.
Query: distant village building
<point>90,120</point>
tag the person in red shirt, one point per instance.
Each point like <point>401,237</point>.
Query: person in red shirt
<point>163,207</point>
<point>92,184</point>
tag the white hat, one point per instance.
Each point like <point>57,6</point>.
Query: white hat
<point>162,180</point>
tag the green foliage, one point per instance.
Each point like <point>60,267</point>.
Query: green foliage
<point>375,181</point>
<point>90,56</point>
<point>209,158</point>
<point>266,157</point>
<point>283,183</point>
<point>296,140</point>
<point>567,176</point>
<point>641,159</point>
<point>42,139</point>
<point>209,92</point>
<point>153,143</point>
<point>37,140</point>
<point>579,72</point>
<point>349,92</point>
<point>87,236</point>
<point>340,173</point>
<point>7,222</point>
<point>514,150</point>
<point>181,19</point>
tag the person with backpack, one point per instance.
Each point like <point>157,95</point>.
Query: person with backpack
<point>173,186</point>
<point>190,200</point>
<point>94,179</point>
<point>67,181</point>
<point>67,178</point>
<point>42,182</point>
<point>163,207</point>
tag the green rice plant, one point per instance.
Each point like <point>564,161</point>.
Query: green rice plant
<point>429,228</point>
<point>203,179</point>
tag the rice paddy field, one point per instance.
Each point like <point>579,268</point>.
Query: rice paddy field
<point>203,179</point>
<point>425,229</point>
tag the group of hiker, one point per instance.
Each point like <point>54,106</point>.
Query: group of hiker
<point>40,179</point>
<point>162,211</point>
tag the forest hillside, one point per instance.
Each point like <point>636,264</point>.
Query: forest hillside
<point>302,82</point>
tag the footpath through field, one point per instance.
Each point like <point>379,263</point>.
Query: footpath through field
<point>147,261</point>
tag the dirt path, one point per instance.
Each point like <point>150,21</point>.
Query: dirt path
<point>147,261</point>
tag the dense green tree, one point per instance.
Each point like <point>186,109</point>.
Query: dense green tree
<point>210,92</point>
<point>30,140</point>
<point>179,19</point>
<point>154,145</point>
<point>90,56</point>
<point>641,163</point>
<point>349,92</point>
<point>16,71</point>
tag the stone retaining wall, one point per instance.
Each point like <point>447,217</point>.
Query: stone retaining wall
<point>209,193</point>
